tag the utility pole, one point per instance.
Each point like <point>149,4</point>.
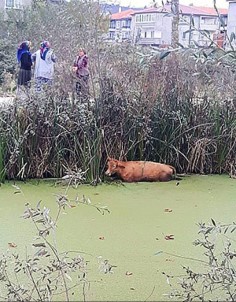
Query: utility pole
<point>175,23</point>
<point>190,31</point>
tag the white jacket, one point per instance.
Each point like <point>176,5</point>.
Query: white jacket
<point>44,68</point>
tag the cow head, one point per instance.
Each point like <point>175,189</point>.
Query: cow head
<point>113,166</point>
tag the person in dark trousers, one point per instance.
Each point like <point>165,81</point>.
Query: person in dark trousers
<point>82,73</point>
<point>25,61</point>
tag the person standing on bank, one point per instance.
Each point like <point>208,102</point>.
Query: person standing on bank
<point>82,73</point>
<point>25,61</point>
<point>44,59</point>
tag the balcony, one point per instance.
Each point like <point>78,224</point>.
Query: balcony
<point>149,41</point>
<point>210,27</point>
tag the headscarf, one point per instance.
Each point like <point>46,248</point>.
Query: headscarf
<point>44,48</point>
<point>24,47</point>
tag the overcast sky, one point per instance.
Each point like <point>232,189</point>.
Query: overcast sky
<point>142,3</point>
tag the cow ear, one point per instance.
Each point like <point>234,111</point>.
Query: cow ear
<point>120,165</point>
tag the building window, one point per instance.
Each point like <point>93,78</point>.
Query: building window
<point>112,35</point>
<point>17,3</point>
<point>158,34</point>
<point>13,4</point>
<point>125,35</point>
<point>138,18</point>
<point>209,21</point>
<point>9,3</point>
<point>113,24</point>
<point>145,18</point>
<point>152,34</point>
<point>118,24</point>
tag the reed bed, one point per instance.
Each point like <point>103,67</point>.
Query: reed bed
<point>177,110</point>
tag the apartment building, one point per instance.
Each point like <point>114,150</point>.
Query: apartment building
<point>198,24</point>
<point>120,26</point>
<point>231,26</point>
<point>153,26</point>
<point>9,4</point>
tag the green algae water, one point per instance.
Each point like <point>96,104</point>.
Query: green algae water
<point>132,236</point>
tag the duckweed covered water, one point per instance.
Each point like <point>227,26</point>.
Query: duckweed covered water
<point>134,232</point>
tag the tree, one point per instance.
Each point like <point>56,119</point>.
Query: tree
<point>7,58</point>
<point>175,23</point>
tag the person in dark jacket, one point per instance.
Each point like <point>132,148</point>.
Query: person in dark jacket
<point>25,61</point>
<point>82,73</point>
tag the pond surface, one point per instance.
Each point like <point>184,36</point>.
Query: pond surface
<point>131,235</point>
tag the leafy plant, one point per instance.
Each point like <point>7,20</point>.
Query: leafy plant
<point>47,273</point>
<point>215,278</point>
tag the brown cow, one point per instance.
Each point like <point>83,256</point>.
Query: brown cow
<point>132,171</point>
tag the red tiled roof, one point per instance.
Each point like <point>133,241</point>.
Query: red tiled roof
<point>184,9</point>
<point>122,15</point>
<point>149,10</point>
<point>211,10</point>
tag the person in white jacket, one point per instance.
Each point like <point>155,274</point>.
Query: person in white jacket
<point>44,59</point>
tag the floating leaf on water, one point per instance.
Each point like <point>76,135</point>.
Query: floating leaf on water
<point>42,244</point>
<point>12,244</point>
<point>158,253</point>
<point>16,187</point>
<point>169,237</point>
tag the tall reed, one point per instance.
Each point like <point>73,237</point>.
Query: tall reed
<point>175,111</point>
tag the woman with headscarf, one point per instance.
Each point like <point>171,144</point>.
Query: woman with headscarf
<point>25,61</point>
<point>44,59</point>
<point>82,73</point>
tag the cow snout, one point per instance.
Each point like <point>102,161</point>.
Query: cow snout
<point>108,173</point>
